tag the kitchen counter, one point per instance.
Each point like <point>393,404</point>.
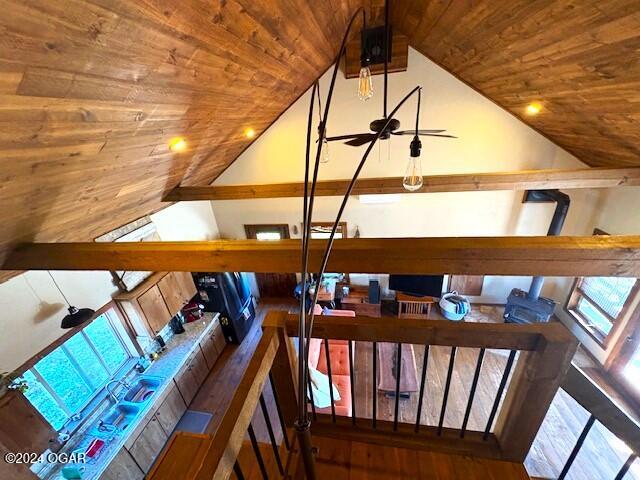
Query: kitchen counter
<point>170,362</point>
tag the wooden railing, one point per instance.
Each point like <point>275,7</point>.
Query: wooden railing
<point>603,409</point>
<point>191,456</point>
<point>539,363</point>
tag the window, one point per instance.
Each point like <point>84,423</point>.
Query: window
<point>322,230</point>
<point>64,382</point>
<point>600,303</point>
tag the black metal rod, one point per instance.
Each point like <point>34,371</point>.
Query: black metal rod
<point>374,383</point>
<point>333,406</point>
<point>256,450</point>
<point>425,363</point>
<point>496,402</point>
<point>285,436</point>
<point>272,437</point>
<point>313,405</point>
<point>386,52</point>
<point>447,385</point>
<point>577,447</point>
<point>303,434</point>
<point>398,373</point>
<point>238,471</point>
<point>353,384</point>
<point>625,468</point>
<point>472,392</point>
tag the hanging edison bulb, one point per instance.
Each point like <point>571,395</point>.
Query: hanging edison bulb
<point>324,155</point>
<point>365,84</point>
<point>412,180</point>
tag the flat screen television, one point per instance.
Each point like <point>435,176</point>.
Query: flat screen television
<point>417,285</point>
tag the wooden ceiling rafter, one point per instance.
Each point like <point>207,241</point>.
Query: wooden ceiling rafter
<point>605,177</point>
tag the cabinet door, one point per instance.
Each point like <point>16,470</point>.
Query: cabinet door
<point>187,384</point>
<point>209,349</point>
<point>122,467</point>
<point>199,367</point>
<point>154,308</point>
<point>218,339</point>
<point>148,444</point>
<point>170,289</point>
<point>171,410</point>
<point>187,287</point>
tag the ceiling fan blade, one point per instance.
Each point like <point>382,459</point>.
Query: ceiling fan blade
<point>361,140</point>
<point>437,135</point>
<point>420,132</point>
<point>346,137</point>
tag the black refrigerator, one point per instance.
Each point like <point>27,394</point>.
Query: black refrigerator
<point>229,294</point>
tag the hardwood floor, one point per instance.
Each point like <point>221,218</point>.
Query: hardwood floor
<point>601,457</point>
<point>345,460</point>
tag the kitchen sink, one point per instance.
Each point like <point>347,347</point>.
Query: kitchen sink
<point>142,389</point>
<point>120,416</point>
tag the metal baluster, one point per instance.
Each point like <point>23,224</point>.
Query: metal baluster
<point>256,450</point>
<point>375,386</point>
<point>625,468</point>
<point>272,437</point>
<point>503,384</point>
<point>313,406</point>
<point>425,362</point>
<point>472,392</point>
<point>238,471</point>
<point>353,384</point>
<point>333,406</point>
<point>576,448</point>
<point>398,373</point>
<point>279,410</point>
<point>447,385</point>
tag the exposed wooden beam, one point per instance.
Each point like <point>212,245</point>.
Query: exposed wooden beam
<point>555,256</point>
<point>464,182</point>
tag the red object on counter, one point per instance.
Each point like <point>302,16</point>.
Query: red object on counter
<point>192,311</point>
<point>94,447</point>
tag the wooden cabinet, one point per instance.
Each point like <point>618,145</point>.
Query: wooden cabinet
<point>171,410</point>
<point>22,427</point>
<point>151,304</point>
<point>212,345</point>
<point>155,309</point>
<point>190,379</point>
<point>122,467</point>
<point>148,445</point>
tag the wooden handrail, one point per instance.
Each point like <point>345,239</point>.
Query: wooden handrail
<point>432,332</point>
<point>552,256</point>
<point>217,454</point>
<point>593,399</point>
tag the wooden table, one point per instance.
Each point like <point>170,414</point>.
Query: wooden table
<point>414,307</point>
<point>358,301</point>
<point>387,356</point>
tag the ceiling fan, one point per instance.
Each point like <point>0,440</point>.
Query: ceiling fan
<point>365,92</point>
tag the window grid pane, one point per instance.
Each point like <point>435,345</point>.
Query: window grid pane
<point>591,313</point>
<point>107,343</point>
<point>44,402</point>
<point>609,293</point>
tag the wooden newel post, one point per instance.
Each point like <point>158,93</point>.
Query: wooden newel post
<point>534,384</point>
<point>285,368</point>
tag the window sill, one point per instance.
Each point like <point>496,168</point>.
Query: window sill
<point>595,334</point>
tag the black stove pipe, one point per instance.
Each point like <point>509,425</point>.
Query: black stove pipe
<point>562,201</point>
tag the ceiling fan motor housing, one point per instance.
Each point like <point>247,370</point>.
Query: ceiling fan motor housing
<point>378,126</point>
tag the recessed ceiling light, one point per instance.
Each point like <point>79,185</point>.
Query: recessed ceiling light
<point>177,144</point>
<point>249,132</point>
<point>534,108</point>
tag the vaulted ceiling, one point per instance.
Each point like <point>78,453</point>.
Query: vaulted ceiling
<point>91,91</point>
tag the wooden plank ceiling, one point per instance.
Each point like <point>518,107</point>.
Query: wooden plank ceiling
<point>92,90</point>
<point>579,58</point>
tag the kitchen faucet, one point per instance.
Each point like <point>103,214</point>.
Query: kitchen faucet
<point>112,395</point>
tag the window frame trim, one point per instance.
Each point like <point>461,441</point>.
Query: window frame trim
<point>617,324</point>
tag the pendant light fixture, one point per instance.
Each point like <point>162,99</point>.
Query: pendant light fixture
<point>75,317</point>
<point>365,83</point>
<point>412,180</point>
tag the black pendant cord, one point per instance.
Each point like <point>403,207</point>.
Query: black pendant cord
<point>302,371</point>
<point>329,246</point>
<point>418,111</point>
<point>386,52</point>
<point>307,216</point>
<point>58,288</point>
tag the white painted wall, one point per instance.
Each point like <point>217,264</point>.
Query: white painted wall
<point>31,308</point>
<point>490,139</point>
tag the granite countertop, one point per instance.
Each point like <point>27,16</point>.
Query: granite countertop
<point>171,360</point>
